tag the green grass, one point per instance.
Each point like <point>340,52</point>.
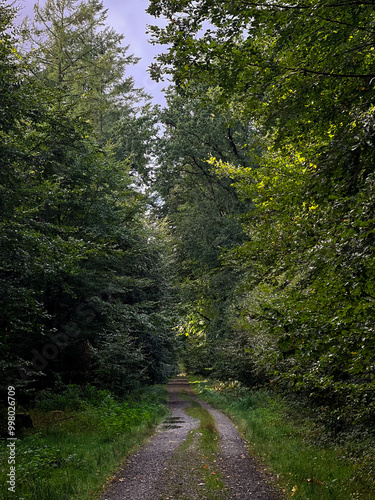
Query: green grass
<point>209,451</point>
<point>192,470</point>
<point>282,440</point>
<point>71,453</point>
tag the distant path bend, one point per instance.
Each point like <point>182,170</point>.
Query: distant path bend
<point>148,471</point>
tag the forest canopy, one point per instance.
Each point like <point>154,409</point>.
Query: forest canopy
<point>231,230</point>
<point>300,314</point>
<point>83,267</point>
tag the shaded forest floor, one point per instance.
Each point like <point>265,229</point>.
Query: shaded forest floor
<point>308,461</point>
<point>197,453</point>
<point>79,436</point>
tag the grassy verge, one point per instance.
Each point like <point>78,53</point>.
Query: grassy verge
<point>72,451</point>
<point>193,468</point>
<point>283,440</point>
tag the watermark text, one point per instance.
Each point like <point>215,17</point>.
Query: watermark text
<point>11,446</point>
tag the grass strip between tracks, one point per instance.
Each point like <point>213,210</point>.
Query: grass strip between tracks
<point>193,471</point>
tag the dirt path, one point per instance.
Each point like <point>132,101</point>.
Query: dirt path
<point>166,467</point>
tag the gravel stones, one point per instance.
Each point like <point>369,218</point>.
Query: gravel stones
<point>157,472</point>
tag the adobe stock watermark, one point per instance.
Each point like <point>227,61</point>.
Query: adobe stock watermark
<point>58,342</point>
<point>11,446</point>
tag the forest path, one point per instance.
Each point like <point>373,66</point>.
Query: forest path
<point>173,466</point>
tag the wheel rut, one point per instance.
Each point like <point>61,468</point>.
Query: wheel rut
<point>165,468</point>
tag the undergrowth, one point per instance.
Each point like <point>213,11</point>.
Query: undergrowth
<point>293,446</point>
<point>79,437</point>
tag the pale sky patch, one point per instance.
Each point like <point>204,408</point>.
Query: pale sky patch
<point>129,18</point>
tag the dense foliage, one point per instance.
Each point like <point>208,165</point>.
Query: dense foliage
<point>201,212</point>
<point>249,213</point>
<point>83,271</point>
<point>302,311</point>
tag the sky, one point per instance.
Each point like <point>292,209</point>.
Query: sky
<point>129,18</point>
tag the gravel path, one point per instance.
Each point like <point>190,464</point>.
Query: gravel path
<point>145,474</point>
<point>242,475</point>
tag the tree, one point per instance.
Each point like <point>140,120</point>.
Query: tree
<point>82,270</point>
<point>303,71</point>
<point>304,74</point>
<point>73,50</point>
<point>306,299</point>
<point>203,213</point>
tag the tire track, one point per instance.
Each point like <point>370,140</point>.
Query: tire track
<point>148,472</point>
